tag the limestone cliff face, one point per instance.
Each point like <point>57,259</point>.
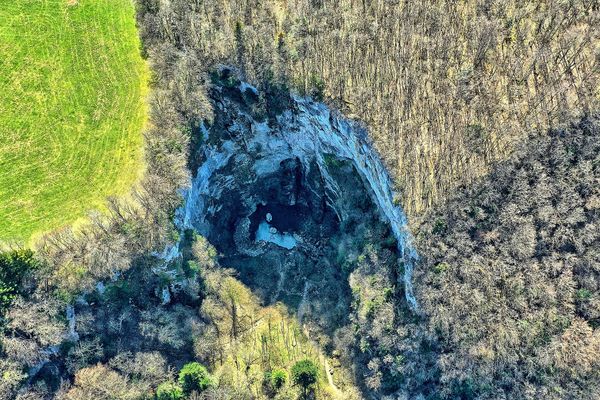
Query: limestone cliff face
<point>254,153</point>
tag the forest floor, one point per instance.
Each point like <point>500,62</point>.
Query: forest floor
<point>72,108</point>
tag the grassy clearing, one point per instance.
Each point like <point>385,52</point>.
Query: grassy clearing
<point>276,342</point>
<point>71,110</point>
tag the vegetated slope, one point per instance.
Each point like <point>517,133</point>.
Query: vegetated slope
<point>71,110</point>
<point>510,276</point>
<point>446,87</point>
<point>128,339</point>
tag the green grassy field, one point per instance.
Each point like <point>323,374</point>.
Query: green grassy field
<point>72,85</point>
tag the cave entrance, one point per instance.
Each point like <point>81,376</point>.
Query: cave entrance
<point>294,223</point>
<point>291,237</point>
<point>285,219</point>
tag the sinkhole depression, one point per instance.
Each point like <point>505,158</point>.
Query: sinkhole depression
<point>289,192</point>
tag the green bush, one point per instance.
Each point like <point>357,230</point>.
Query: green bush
<point>441,268</point>
<point>317,87</point>
<point>273,381</point>
<point>14,267</point>
<point>388,293</point>
<point>305,373</point>
<point>191,269</point>
<point>278,378</point>
<point>194,377</point>
<point>169,391</point>
<point>372,306</point>
<point>439,226</point>
<point>584,294</point>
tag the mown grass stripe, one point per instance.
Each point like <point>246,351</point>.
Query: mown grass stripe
<point>72,85</point>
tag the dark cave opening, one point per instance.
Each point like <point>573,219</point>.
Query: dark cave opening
<point>284,218</point>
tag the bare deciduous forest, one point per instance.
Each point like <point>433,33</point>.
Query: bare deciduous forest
<point>510,280</point>
<point>446,88</point>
